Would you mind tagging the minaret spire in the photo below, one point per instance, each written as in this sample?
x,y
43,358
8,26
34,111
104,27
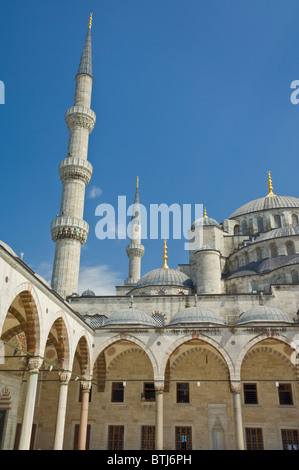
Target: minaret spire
x,y
69,231
135,250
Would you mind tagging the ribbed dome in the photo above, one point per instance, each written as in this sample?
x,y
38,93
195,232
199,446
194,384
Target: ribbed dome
x,y
265,203
196,315
131,316
279,232
88,293
264,314
164,277
204,221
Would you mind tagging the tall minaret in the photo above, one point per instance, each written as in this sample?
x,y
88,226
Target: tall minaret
x,y
69,231
135,250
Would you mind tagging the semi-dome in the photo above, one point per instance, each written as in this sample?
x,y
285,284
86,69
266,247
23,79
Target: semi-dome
x,y
266,203
279,232
264,314
196,315
131,316
164,277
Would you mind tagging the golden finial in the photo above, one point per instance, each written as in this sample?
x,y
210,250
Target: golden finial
x,y
90,20
205,213
137,182
165,257
270,187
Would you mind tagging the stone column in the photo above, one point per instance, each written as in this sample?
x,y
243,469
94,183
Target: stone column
x,y
34,365
236,391
159,391
60,419
86,386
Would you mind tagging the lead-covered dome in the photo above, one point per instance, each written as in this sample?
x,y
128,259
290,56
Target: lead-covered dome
x,y
264,314
131,316
164,277
265,203
196,315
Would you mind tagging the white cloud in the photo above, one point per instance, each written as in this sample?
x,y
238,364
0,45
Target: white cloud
x,y
94,192
99,279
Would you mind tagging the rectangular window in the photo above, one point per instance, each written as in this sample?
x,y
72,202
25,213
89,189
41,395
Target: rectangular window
x,y
147,437
254,439
290,439
117,392
250,394
149,391
285,394
183,438
182,393
115,438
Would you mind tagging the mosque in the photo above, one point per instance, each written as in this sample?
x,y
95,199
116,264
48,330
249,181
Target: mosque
x,y
202,357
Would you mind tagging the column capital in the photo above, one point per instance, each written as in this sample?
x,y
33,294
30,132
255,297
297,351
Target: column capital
x,y
159,386
34,364
64,377
86,385
235,386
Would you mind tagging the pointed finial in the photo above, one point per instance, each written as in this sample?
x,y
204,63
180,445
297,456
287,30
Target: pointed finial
x,y
205,213
137,182
165,257
90,20
270,187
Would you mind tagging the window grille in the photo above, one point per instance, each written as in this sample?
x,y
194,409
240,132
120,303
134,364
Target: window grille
x,y
147,437
115,438
254,439
183,438
285,394
117,392
290,439
250,394
182,393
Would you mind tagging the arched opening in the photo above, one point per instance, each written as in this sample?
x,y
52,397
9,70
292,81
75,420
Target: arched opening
x,y
290,247
269,382
295,220
20,337
273,250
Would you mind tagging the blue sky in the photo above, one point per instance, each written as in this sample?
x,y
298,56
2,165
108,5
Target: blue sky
x,y
192,96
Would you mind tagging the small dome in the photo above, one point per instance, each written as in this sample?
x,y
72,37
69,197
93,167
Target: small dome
x,y
131,316
264,314
164,277
196,315
205,221
88,293
265,203
7,248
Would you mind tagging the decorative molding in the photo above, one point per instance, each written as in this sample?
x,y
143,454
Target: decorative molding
x,y
75,168
69,227
80,116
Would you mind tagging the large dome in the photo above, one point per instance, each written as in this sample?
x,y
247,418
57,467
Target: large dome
x,y
264,314
196,315
265,203
164,277
131,316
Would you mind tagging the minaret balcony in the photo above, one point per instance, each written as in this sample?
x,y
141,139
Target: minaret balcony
x,y
75,168
69,227
135,249
80,116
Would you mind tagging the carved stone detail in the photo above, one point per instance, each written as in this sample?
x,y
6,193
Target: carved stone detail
x,y
69,227
135,250
80,116
75,168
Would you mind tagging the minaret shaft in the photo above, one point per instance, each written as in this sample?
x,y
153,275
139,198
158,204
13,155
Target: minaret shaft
x,y
69,230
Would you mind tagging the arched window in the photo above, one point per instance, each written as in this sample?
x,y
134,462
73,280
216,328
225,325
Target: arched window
x,y
295,277
277,221
236,263
258,253
273,250
246,256
255,287
294,219
290,248
244,228
260,224
236,230
159,318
